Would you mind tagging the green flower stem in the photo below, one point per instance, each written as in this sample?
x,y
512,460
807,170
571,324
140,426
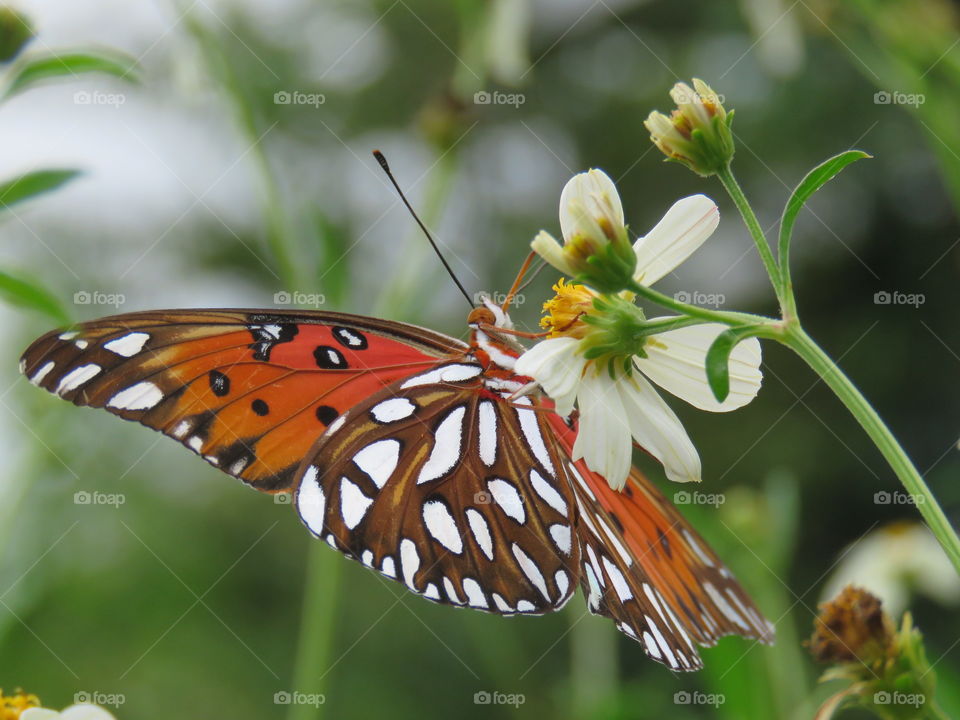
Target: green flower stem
x,y
316,638
795,338
694,311
733,188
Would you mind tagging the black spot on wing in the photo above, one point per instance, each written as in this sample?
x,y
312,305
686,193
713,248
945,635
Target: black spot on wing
x,y
269,331
350,338
326,414
219,383
329,358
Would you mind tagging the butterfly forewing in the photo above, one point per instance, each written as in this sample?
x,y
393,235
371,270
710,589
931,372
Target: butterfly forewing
x,y
450,489
249,391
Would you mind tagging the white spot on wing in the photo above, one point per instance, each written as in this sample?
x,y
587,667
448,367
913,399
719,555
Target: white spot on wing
x,y
379,460
311,501
474,593
721,602
40,374
502,605
451,591
618,580
526,606
409,562
563,581
651,644
456,372
182,428
615,541
704,558
393,410
549,493
142,396
447,441
506,496
531,431
77,377
127,345
388,567
487,415
481,531
531,570
353,503
432,592
561,536
441,525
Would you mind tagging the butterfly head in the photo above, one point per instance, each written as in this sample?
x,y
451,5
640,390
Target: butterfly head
x,y
502,349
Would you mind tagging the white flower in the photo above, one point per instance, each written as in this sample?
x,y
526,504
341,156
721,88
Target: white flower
x,y
82,711
894,561
591,221
617,408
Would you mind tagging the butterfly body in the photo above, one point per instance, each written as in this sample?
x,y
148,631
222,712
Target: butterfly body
x,y
423,457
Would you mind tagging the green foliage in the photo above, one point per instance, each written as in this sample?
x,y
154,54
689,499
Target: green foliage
x,y
38,69
31,184
29,294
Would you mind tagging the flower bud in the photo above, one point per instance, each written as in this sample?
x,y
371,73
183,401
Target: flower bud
x,y
697,133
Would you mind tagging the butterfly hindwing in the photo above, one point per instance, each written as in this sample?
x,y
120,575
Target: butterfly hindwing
x,y
450,489
647,569
250,391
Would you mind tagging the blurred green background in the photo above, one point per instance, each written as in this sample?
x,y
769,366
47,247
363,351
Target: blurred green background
x,y
203,187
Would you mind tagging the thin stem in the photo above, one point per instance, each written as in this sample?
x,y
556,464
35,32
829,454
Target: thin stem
x,y
756,232
720,316
315,641
795,338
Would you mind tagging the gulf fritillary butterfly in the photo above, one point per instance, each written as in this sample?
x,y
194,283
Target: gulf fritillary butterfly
x,y
421,456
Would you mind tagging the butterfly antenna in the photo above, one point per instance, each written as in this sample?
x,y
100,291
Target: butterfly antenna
x,y
386,168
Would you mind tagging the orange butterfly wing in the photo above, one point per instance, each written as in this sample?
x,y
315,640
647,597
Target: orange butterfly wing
x,y
249,391
646,568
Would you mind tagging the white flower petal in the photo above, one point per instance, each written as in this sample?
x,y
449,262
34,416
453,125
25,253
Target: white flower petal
x,y
85,712
594,194
39,714
557,367
676,361
682,230
547,247
657,429
603,438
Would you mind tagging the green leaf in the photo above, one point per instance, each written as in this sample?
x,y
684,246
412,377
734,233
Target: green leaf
x,y
718,357
33,183
36,70
814,180
26,293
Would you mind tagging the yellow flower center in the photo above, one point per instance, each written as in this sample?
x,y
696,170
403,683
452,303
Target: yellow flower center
x,y
11,706
565,310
